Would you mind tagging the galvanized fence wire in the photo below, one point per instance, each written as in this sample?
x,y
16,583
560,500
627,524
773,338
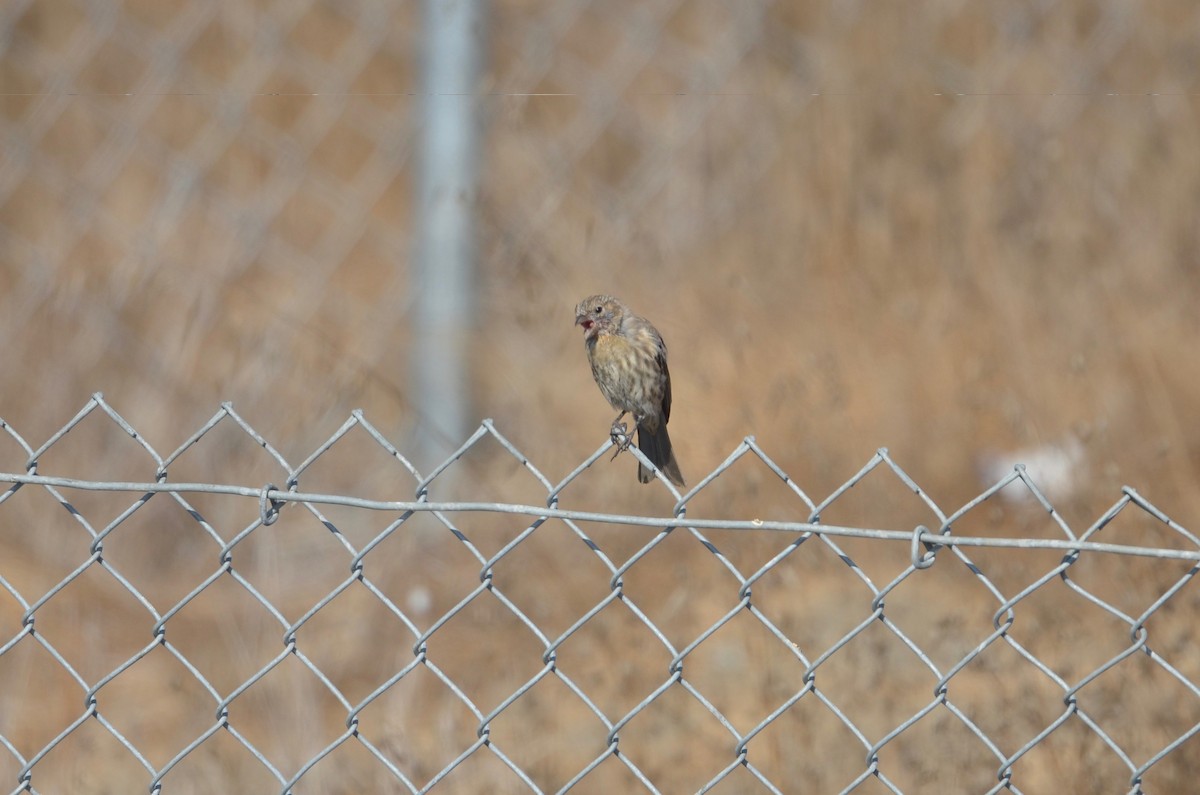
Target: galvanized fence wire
x,y
928,545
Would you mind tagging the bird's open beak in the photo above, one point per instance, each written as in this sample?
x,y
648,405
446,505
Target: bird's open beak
x,y
583,320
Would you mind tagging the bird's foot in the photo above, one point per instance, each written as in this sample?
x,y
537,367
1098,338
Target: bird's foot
x,y
619,433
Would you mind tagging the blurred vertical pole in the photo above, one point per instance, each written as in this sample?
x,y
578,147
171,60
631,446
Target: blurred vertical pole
x,y
453,44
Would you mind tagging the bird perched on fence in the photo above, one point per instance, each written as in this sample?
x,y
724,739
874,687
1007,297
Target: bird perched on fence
x,y
629,363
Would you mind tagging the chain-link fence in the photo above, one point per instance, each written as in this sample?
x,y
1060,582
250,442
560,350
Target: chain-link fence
x,y
960,230
190,636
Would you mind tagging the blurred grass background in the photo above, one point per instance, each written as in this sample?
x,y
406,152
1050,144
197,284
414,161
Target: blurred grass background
x,y
967,232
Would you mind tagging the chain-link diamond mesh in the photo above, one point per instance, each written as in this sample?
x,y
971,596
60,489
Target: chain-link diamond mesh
x,y
211,636
953,187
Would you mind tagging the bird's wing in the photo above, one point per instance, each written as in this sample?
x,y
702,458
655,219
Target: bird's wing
x,y
666,403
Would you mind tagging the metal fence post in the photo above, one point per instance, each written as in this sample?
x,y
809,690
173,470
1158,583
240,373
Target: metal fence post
x,y
445,250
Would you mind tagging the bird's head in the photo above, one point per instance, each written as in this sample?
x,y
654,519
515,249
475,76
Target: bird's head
x,y
598,313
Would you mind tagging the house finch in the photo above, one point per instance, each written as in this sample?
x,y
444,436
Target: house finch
x,y
629,363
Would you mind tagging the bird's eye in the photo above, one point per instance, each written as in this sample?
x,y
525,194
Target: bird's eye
x,y
599,310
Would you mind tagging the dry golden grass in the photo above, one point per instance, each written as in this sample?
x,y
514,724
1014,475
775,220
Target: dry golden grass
x,y
958,232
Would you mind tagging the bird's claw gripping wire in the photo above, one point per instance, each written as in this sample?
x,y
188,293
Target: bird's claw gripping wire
x,y
619,433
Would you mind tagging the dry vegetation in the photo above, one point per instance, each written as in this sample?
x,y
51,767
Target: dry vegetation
x,y
963,233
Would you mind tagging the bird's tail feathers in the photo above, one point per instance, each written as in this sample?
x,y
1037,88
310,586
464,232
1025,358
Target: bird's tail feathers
x,y
656,446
